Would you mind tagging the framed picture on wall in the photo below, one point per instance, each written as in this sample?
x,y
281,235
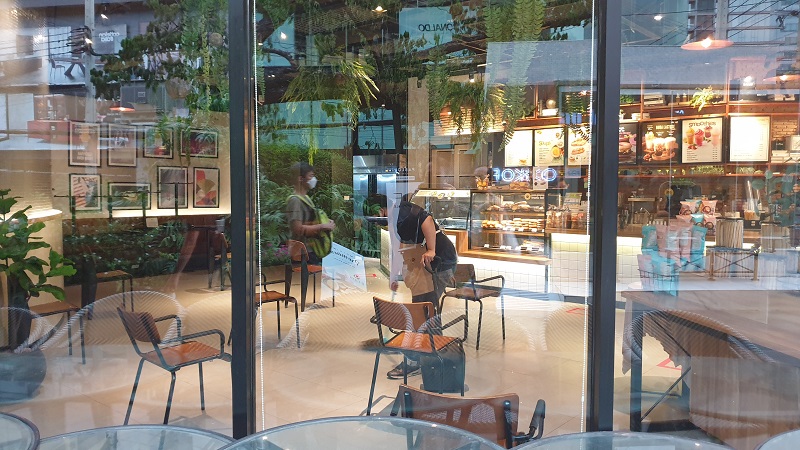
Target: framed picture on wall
x,y
85,191
206,187
129,195
202,144
84,144
154,142
121,142
172,182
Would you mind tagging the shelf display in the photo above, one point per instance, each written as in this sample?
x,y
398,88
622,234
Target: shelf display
x,y
749,139
450,207
702,140
508,221
660,142
548,146
628,133
579,145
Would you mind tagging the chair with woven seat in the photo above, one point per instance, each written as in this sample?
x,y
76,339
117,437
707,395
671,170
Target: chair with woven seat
x,y
67,309
299,256
493,417
264,296
169,354
416,332
472,290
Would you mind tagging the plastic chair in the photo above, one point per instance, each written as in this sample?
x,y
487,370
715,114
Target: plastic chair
x,y
58,308
414,326
493,417
270,296
170,354
299,255
219,258
467,289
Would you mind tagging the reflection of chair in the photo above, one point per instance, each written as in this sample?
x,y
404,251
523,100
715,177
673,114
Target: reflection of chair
x,y
494,417
268,296
171,354
466,289
54,67
299,255
414,326
57,308
219,258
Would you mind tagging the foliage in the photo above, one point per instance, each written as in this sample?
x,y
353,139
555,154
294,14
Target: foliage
x,y
702,97
24,271
783,194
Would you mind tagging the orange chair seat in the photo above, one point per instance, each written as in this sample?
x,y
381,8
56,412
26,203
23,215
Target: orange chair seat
x,y
185,353
311,269
418,342
271,296
468,294
112,275
48,309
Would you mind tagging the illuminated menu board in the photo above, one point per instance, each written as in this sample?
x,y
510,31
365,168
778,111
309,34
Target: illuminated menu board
x,y
749,139
660,142
702,140
548,146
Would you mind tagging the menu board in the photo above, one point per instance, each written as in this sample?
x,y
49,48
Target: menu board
x,y
519,150
627,142
579,145
749,139
660,142
548,146
702,140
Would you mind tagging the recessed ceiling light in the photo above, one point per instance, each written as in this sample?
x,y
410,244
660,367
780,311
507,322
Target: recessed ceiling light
x,y
658,17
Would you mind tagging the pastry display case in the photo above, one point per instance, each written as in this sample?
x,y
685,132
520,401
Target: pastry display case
x,y
510,221
450,207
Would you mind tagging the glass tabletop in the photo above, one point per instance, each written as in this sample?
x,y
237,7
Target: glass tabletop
x,y
355,433
784,441
608,440
137,437
17,433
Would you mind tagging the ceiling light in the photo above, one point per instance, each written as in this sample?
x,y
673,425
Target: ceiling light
x,y
88,41
103,16
708,43
783,75
658,17
283,36
379,9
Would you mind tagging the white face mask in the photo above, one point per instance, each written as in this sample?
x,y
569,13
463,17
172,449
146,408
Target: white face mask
x,y
312,183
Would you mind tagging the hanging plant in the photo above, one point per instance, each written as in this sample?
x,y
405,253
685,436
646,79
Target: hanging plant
x,y
702,97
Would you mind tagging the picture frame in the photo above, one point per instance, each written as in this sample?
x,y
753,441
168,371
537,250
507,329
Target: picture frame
x,y
129,196
154,143
86,190
168,178
121,142
84,144
206,187
202,144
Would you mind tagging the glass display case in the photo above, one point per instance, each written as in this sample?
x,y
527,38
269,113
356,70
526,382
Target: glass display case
x,y
450,207
510,221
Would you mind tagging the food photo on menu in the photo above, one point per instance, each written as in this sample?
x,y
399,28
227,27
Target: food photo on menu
x,y
627,143
660,142
702,140
548,144
578,146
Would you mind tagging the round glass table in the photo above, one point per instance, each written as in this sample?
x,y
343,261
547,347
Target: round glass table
x,y
608,440
17,433
357,433
137,437
789,440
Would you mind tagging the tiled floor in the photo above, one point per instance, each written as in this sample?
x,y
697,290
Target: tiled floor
x,y
542,357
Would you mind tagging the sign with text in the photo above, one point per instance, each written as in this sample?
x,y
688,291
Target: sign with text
x,y
702,140
537,177
749,139
579,145
343,269
660,142
429,23
520,149
548,146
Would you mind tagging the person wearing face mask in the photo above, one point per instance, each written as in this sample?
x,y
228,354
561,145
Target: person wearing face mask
x,y
301,211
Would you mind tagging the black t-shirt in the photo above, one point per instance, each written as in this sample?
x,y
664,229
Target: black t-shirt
x,y
409,229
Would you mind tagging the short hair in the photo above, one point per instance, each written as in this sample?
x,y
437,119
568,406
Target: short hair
x,y
301,169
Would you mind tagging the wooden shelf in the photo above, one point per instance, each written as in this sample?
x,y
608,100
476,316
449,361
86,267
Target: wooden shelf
x,y
507,256
694,175
514,233
516,213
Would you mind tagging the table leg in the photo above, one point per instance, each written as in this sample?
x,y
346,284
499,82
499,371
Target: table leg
x,y
711,265
637,333
755,267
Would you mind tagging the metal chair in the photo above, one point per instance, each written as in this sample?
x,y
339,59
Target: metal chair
x,y
269,296
168,354
57,308
493,417
219,258
299,255
415,328
469,289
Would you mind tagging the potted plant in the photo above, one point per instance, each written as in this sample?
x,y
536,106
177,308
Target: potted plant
x,y
26,275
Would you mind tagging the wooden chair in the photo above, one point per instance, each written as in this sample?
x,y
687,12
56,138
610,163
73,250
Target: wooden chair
x,y
171,354
299,255
269,296
415,329
467,288
67,309
219,258
493,417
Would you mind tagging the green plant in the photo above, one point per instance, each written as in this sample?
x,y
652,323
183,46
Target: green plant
x,y
702,97
27,274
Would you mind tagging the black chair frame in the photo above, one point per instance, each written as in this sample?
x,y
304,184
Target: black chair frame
x,y
475,285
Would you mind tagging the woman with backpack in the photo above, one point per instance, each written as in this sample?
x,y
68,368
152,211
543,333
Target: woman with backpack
x,y
303,216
